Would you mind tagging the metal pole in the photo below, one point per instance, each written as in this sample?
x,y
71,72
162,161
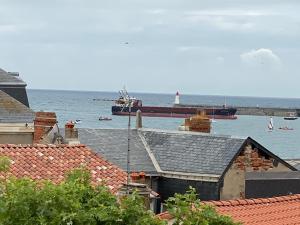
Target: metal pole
x,y
128,146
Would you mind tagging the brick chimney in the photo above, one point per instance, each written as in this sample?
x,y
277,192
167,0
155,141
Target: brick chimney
x,y
43,123
71,134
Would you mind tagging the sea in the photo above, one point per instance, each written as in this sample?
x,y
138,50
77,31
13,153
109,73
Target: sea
x,y
89,106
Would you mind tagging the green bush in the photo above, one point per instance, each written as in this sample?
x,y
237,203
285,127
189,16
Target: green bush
x,y
187,209
76,202
73,202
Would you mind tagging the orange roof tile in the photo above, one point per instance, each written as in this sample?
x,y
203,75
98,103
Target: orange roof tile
x,y
52,162
284,210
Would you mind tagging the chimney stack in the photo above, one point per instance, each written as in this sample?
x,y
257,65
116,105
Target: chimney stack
x,y
71,134
139,120
43,123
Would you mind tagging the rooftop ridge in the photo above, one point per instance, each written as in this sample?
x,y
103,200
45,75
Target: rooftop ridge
x,y
170,132
41,145
253,201
190,133
105,128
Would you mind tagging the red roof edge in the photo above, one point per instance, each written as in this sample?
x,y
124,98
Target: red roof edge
x,y
254,201
241,202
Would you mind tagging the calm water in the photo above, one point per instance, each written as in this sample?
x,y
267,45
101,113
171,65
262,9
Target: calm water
x,y
71,105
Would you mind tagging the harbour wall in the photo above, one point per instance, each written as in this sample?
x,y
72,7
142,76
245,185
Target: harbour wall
x,y
252,111
261,111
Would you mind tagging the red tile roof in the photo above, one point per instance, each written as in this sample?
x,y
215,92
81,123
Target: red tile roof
x,y
52,162
284,210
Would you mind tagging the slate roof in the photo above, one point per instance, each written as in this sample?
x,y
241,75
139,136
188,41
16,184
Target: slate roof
x,y
112,144
282,210
8,79
192,152
53,162
157,151
13,111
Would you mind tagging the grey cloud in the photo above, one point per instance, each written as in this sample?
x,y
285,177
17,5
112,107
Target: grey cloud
x,y
178,43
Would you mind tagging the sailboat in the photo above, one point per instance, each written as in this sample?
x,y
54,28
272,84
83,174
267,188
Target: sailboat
x,y
271,124
213,116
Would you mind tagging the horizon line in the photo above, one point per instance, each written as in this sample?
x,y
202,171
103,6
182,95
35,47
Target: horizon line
x,y
165,93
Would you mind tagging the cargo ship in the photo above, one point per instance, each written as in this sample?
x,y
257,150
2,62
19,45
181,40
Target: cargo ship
x,y
126,104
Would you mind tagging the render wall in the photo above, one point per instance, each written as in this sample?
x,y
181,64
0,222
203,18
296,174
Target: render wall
x,y
16,138
250,160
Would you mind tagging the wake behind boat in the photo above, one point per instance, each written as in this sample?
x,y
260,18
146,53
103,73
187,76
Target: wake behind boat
x,y
125,103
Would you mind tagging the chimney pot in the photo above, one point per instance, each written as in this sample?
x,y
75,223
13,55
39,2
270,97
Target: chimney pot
x,y
139,120
71,133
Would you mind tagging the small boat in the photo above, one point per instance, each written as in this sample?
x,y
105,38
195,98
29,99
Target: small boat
x,y
104,118
285,128
271,125
77,121
291,116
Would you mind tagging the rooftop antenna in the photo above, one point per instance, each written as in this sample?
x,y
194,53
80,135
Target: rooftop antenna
x,y
128,144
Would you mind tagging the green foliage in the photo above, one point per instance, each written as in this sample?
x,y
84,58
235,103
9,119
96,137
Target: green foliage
x,y
188,210
77,202
4,164
73,202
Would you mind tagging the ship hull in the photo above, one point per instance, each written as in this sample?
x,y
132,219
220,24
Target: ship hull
x,y
176,112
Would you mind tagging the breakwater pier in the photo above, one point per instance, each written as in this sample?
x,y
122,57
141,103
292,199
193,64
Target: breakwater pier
x,y
252,111
265,111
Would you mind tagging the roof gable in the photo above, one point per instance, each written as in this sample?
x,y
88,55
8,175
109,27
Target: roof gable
x,y
266,151
52,162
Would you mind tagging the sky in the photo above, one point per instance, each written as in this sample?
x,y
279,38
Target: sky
x,y
207,47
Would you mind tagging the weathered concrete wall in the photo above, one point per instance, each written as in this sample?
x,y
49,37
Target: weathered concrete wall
x,y
16,133
253,111
16,138
248,161
259,111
